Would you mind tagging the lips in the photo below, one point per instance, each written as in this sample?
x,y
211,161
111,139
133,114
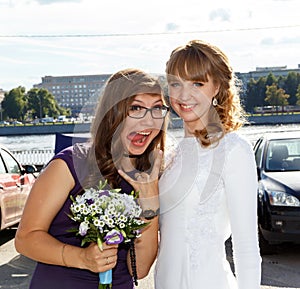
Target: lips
x,y
187,107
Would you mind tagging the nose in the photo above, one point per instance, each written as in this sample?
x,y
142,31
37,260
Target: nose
x,y
148,119
184,94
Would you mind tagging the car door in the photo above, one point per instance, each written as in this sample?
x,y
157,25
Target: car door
x,y
10,189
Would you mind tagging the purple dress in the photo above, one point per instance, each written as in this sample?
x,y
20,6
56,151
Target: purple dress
x,y
48,276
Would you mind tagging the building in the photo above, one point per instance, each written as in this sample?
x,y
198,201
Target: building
x,y
2,92
265,71
78,93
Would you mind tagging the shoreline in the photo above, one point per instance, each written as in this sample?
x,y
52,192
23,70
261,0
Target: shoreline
x,y
175,123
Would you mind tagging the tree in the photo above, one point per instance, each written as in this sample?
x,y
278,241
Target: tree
x,y
271,79
298,95
14,103
276,96
251,99
291,84
41,102
261,91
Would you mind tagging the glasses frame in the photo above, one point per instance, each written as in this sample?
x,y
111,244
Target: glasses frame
x,y
166,108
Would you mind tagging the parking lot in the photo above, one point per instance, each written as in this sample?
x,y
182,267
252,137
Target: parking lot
x,y
281,270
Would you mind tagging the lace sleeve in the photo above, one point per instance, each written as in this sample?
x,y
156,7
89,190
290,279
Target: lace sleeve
x,y
241,193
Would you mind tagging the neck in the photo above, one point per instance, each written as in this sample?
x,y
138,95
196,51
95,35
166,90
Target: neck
x,y
191,126
131,156
128,162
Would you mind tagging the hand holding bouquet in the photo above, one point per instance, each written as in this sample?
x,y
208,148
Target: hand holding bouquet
x,y
106,216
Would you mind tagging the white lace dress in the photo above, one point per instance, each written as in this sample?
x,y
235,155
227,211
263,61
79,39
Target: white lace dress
x,y
207,194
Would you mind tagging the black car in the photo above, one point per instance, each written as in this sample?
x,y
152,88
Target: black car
x,y
278,166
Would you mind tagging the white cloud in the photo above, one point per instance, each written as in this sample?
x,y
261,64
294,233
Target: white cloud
x,y
222,14
132,34
48,2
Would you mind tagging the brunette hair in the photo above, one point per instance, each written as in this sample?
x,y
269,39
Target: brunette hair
x,y
106,148
197,60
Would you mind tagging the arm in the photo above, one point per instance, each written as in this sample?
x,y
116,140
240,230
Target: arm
x,y
241,190
147,245
47,196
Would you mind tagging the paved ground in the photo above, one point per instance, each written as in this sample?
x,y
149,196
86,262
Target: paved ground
x,y
280,271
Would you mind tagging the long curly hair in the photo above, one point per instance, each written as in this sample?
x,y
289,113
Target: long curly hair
x,y
197,60
106,148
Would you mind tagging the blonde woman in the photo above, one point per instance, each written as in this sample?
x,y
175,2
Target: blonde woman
x,y
209,191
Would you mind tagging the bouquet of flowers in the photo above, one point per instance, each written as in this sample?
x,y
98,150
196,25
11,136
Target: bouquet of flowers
x,y
107,216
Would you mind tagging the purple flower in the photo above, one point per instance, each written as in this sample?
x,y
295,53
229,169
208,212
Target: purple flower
x,y
104,193
90,201
113,237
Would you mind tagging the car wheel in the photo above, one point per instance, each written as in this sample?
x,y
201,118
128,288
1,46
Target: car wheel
x,y
265,247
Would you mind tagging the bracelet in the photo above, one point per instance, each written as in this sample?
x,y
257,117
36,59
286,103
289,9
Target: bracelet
x,y
62,255
149,214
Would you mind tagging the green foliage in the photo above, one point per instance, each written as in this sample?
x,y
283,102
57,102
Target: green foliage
x,y
270,90
36,103
298,95
14,103
290,86
276,96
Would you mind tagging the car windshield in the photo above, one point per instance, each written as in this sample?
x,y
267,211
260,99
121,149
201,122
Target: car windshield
x,y
283,155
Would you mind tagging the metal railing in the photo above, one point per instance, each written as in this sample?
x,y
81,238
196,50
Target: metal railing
x,y
33,157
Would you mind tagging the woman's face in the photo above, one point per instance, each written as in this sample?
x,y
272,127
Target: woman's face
x,y
192,100
138,133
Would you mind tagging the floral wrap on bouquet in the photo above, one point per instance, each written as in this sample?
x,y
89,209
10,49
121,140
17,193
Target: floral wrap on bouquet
x,y
107,216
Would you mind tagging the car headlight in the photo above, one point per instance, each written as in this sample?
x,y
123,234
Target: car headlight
x,y
278,198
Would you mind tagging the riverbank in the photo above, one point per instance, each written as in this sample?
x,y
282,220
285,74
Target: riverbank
x,y
46,128
274,119
176,123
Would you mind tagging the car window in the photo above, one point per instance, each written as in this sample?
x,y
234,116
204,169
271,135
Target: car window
x,y
283,155
11,164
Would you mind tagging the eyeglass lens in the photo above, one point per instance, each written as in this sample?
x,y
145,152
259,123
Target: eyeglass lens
x,y
140,112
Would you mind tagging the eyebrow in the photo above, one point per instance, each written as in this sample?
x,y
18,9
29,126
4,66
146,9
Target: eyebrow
x,y
137,100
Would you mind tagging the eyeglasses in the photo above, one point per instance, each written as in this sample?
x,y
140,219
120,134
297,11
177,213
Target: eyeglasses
x,y
157,112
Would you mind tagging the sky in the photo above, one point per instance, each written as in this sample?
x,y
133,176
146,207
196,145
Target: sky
x,y
83,37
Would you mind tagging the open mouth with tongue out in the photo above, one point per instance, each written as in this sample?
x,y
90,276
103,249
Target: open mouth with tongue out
x,y
139,138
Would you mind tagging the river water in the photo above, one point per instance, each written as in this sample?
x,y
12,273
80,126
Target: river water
x,y
42,142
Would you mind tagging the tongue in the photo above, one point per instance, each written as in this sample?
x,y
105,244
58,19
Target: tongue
x,y
137,137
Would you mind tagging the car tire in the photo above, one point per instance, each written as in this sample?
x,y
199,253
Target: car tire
x,y
265,247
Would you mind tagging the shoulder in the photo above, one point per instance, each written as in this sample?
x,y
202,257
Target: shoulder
x,y
75,157
235,140
237,144
76,151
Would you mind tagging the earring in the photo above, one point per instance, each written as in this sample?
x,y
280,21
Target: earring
x,y
214,102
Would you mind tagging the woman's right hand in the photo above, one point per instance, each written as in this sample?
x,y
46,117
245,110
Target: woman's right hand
x,y
96,260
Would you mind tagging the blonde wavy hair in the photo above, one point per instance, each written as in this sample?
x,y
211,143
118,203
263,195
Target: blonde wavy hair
x,y
197,60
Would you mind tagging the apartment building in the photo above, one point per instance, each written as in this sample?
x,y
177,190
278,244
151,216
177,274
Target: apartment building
x,y
77,92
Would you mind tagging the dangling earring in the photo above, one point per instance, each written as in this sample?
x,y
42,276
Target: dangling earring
x,y
214,102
